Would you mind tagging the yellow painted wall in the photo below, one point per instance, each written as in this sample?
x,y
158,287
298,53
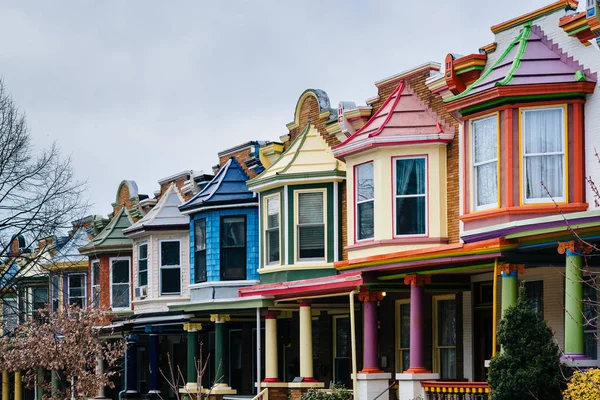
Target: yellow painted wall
x,y
383,180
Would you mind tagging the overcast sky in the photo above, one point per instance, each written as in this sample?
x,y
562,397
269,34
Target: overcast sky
x,y
144,89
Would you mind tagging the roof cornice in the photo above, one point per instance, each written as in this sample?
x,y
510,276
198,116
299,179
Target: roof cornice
x,y
550,8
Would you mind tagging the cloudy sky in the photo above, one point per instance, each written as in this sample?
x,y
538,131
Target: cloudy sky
x,y
144,89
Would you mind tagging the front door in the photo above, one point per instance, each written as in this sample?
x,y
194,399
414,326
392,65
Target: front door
x,y
482,329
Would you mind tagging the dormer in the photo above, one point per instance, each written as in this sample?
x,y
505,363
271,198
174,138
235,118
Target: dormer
x,y
397,165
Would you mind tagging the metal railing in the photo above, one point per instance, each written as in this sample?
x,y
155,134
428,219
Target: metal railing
x,y
439,390
386,390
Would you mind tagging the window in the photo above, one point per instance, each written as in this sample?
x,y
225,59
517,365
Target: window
x,y
272,230
543,154
590,318
311,226
233,247
55,291
445,337
10,314
200,250
96,284
403,338
143,264
365,201
76,290
342,366
535,294
484,159
119,283
170,267
39,298
411,196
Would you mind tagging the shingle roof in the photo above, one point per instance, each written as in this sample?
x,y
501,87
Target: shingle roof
x,y
165,213
69,253
531,58
227,187
112,235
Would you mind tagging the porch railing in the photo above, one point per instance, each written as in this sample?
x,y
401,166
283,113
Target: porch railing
x,y
262,395
438,390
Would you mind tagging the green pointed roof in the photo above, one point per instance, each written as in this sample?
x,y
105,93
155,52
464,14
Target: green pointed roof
x,y
111,238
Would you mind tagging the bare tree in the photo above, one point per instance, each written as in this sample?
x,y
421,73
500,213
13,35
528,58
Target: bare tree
x,y
39,196
69,344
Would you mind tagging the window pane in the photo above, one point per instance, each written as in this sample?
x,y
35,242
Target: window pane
x,y
405,359
410,215
10,314
446,323
96,273
143,265
273,212
233,232
311,241
169,254
120,271
200,234
120,295
404,326
76,286
96,296
410,176
310,208
364,182
447,363
366,220
143,251
40,297
171,280
78,302
200,266
535,294
543,129
143,277
547,170
273,245
485,139
486,176
233,263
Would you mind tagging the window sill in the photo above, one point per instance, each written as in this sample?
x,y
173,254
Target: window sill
x,y
524,209
397,242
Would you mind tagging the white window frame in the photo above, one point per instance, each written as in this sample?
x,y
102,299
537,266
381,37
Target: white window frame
x,y
297,225
51,293
161,267
358,202
395,196
84,287
145,243
473,165
128,259
267,229
96,302
563,153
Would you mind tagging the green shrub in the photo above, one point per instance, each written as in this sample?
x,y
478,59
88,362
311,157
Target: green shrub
x,y
339,392
529,365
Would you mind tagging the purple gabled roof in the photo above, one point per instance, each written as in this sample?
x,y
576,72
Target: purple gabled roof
x,y
531,58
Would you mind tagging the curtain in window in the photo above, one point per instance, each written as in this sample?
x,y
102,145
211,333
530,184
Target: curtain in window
x,y
311,227
365,201
273,229
544,153
410,196
485,158
447,338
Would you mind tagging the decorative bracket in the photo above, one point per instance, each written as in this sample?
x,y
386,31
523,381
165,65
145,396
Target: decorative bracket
x,y
365,295
220,318
510,268
417,280
575,247
191,326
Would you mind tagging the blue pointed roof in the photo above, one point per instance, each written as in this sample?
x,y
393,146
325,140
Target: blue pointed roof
x,y
228,187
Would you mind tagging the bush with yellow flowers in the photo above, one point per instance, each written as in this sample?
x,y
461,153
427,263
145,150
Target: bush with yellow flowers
x,y
584,385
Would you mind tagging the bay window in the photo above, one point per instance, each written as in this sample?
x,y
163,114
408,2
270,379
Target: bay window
x,y
272,230
233,247
200,250
410,196
365,201
484,159
543,152
143,264
76,290
310,227
170,267
119,283
96,284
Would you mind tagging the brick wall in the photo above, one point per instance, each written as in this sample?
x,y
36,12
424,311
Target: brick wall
x,y
241,156
123,198
213,226
105,278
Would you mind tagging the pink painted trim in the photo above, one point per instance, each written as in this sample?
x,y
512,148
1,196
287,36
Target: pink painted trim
x,y
304,303
395,143
397,241
271,380
270,316
309,379
393,190
355,199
